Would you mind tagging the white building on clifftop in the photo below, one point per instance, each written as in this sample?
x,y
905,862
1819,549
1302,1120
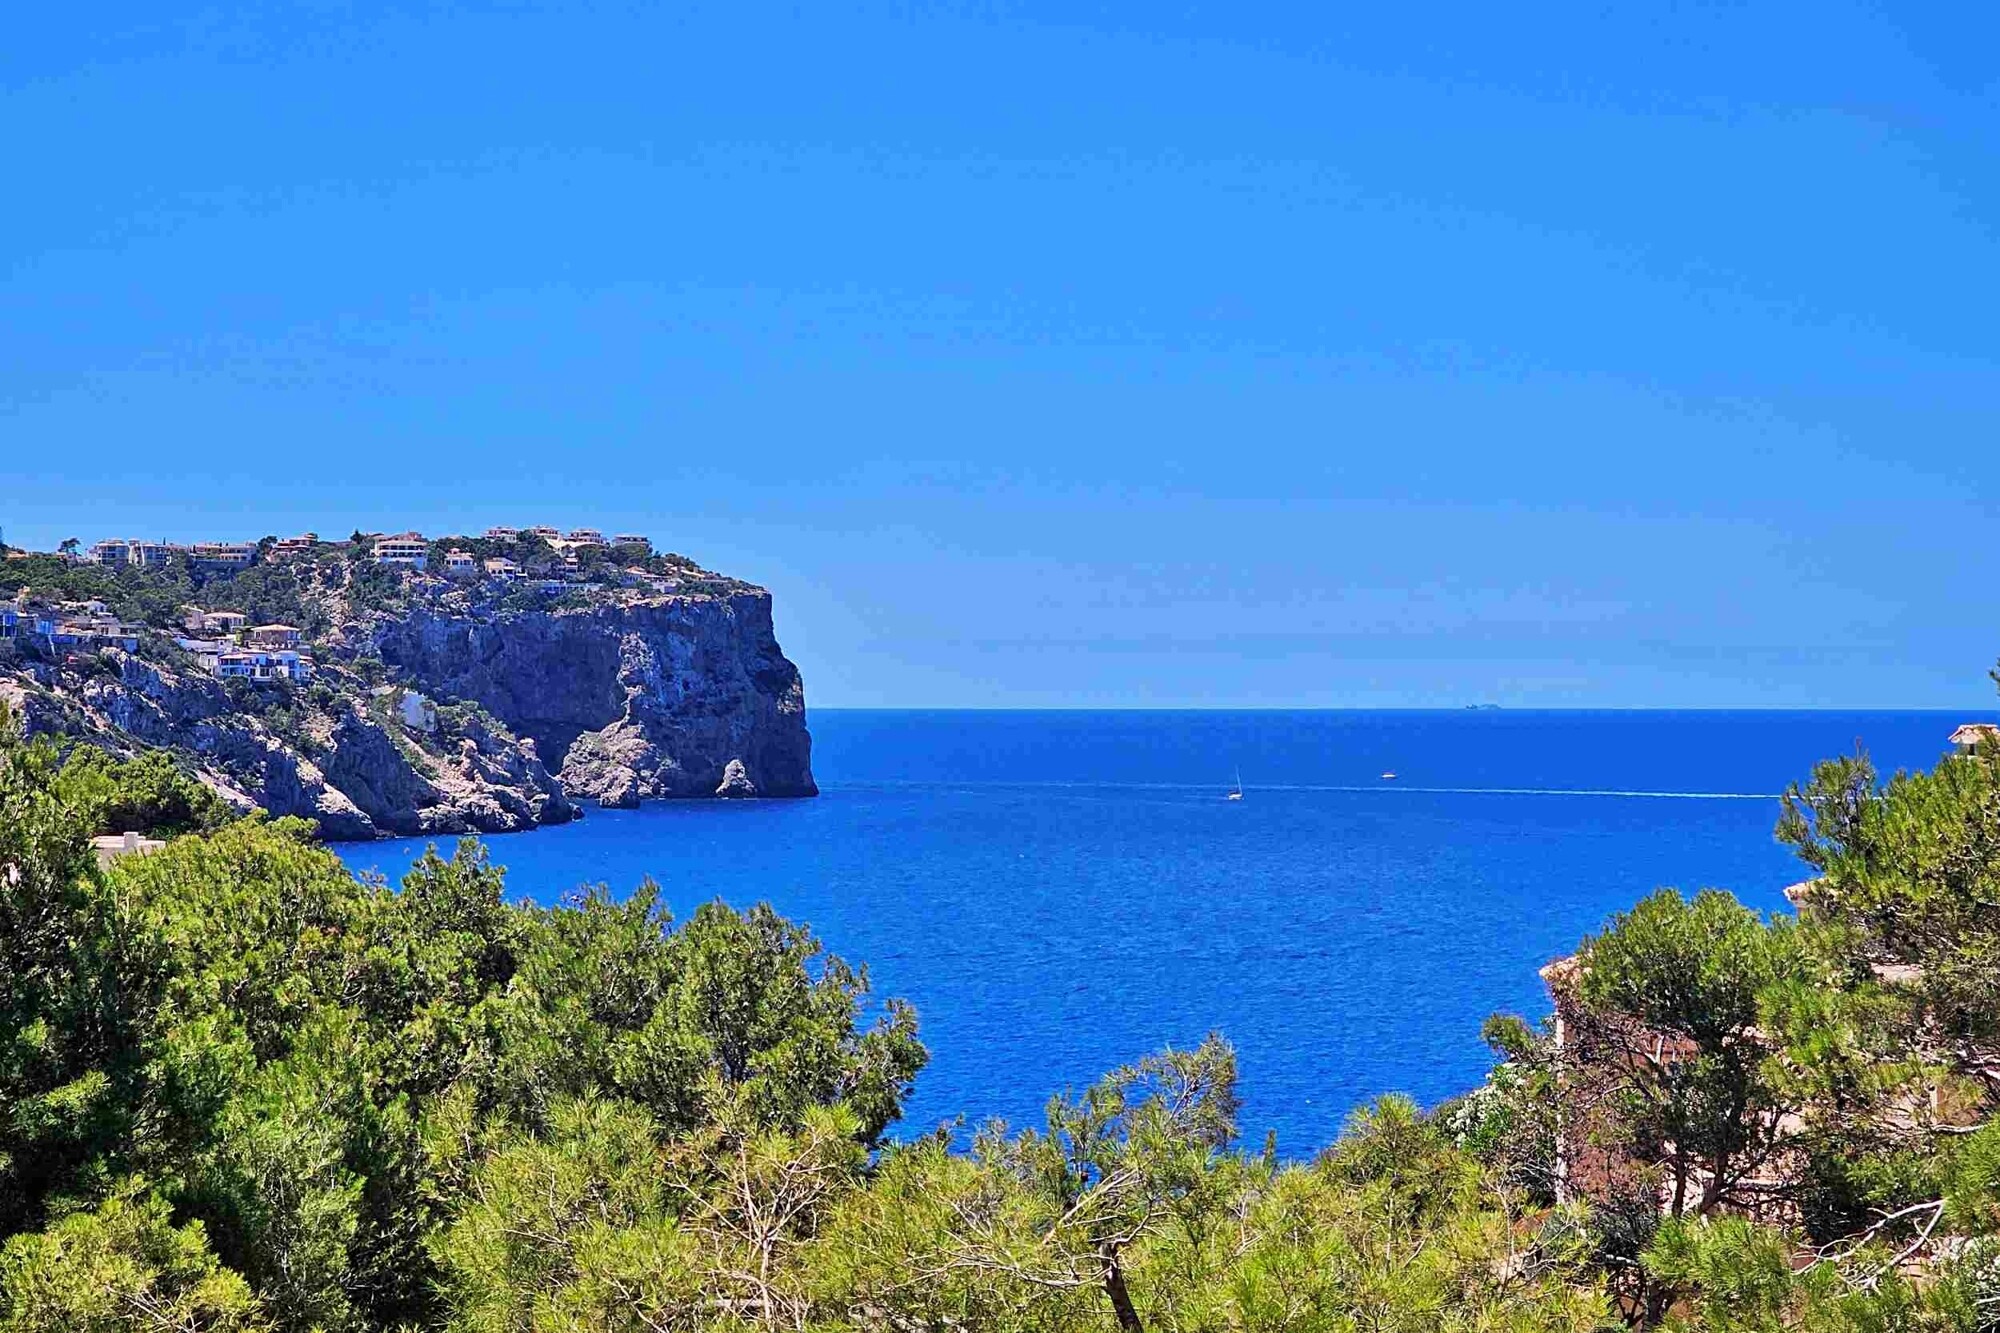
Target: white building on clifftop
x,y
405,548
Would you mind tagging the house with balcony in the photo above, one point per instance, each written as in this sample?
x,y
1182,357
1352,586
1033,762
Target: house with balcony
x,y
273,636
460,564
651,582
502,569
305,541
633,539
63,634
119,552
260,664
502,534
585,537
223,555
405,548
215,624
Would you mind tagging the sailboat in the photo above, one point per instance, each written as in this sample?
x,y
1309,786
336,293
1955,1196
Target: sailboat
x,y
1236,795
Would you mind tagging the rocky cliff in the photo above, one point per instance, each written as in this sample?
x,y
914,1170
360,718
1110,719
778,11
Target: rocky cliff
x,y
651,698
442,706
340,762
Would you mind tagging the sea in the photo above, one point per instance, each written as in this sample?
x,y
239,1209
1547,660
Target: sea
x,y
1060,893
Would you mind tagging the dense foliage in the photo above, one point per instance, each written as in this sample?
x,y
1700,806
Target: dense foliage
x,y
280,592
149,597
147,793
241,1089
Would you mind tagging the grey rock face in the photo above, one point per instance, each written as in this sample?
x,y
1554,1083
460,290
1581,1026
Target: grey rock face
x,y
628,698
634,701
349,775
619,789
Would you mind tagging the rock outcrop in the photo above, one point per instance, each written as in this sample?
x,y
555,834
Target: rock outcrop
x,y
354,774
655,698
736,781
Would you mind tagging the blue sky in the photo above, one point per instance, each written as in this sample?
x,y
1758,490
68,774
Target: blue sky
x,y
1204,354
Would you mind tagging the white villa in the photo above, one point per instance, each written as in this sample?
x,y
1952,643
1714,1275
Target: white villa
x,y
228,555
120,551
260,664
405,548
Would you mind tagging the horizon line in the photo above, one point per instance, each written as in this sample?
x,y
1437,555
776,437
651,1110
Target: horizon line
x,y
1395,708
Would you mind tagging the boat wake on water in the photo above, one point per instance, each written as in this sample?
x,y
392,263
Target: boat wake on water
x,y
1401,788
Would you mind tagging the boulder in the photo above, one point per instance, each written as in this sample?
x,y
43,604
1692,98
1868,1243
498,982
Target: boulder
x,y
736,781
619,790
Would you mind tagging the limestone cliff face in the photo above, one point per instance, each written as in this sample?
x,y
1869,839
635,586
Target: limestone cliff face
x,y
659,697
479,782
347,766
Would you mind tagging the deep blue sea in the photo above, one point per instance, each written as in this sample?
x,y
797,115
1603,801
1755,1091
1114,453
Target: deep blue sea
x,y
1060,892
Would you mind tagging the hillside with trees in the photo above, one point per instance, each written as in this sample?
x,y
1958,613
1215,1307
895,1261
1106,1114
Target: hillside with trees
x,y
245,1090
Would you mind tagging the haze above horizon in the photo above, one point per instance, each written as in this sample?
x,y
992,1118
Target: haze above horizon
x,y
1248,355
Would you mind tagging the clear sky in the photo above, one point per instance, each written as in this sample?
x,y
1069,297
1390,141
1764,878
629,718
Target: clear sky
x,y
1193,354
